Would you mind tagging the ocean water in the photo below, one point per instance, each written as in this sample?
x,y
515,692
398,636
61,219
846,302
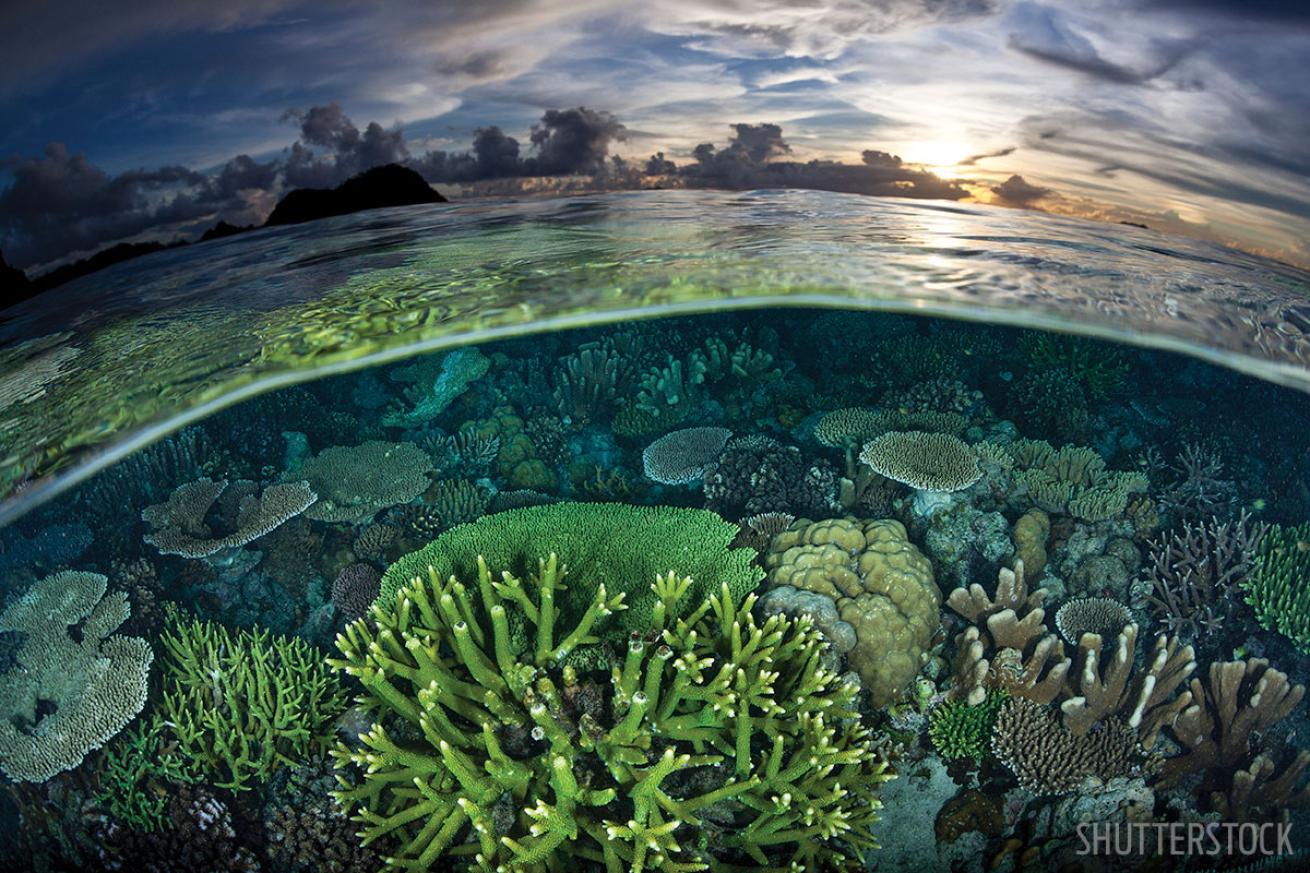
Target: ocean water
x,y
659,531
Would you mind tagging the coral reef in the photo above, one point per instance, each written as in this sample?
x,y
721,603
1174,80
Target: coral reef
x,y
1002,648
135,771
757,474
760,759
961,730
1223,734
1047,758
355,483
1192,572
1091,615
355,589
241,704
306,831
925,461
682,456
654,539
1276,586
882,585
433,383
198,834
69,660
179,525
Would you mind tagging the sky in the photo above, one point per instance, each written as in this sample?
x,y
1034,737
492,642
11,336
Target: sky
x,y
142,119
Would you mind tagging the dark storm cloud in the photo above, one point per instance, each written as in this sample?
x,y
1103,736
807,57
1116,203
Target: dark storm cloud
x,y
60,202
331,149
564,142
1018,191
747,162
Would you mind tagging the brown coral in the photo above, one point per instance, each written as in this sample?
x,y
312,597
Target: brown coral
x,y
882,585
1030,534
1048,759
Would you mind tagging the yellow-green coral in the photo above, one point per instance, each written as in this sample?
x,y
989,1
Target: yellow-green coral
x,y
1071,480
241,704
510,762
882,584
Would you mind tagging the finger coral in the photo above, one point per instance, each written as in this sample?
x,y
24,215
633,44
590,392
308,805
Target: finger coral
x,y
242,704
715,743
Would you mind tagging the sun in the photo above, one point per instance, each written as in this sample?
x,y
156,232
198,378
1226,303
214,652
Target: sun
x,y
938,155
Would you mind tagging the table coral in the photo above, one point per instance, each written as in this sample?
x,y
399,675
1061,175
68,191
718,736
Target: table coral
x,y
355,483
882,584
69,656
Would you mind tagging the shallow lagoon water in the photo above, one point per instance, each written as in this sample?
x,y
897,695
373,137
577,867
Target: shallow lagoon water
x,y
861,468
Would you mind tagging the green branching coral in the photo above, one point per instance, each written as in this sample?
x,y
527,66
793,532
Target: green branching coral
x,y
611,544
1277,588
718,742
134,770
959,730
1097,365
243,703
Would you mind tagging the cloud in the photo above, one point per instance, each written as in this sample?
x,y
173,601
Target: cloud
x,y
1046,38
564,142
750,161
1018,191
345,150
973,160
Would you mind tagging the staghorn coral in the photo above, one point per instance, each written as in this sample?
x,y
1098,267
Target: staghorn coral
x,y
1091,615
1046,758
355,483
464,452
179,526
1276,585
1191,572
1200,489
609,544
681,456
136,770
761,759
756,474
924,461
757,531
240,705
1049,403
1007,645
355,589
883,587
70,658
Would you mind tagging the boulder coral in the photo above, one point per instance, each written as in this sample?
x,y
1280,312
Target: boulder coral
x,y
883,587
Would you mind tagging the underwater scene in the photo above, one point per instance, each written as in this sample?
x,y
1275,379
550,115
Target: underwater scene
x,y
781,589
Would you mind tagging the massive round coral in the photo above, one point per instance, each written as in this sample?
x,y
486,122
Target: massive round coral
x,y
882,584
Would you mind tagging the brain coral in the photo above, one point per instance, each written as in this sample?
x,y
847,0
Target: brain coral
x,y
882,585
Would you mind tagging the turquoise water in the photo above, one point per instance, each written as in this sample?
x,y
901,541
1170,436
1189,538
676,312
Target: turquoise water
x,y
942,579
